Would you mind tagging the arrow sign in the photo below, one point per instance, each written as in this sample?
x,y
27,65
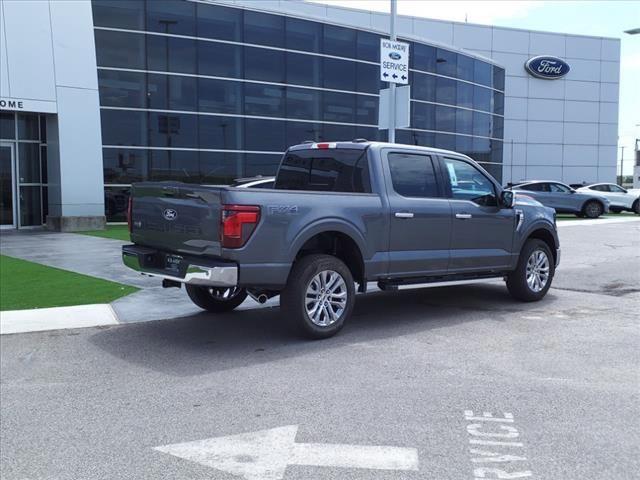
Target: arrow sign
x,y
264,455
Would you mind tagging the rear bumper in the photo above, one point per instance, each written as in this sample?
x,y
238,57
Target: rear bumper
x,y
191,270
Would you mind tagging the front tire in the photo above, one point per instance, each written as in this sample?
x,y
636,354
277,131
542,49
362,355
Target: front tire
x,y
216,300
531,280
592,209
319,296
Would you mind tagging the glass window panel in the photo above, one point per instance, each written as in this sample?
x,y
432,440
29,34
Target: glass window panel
x,y
498,103
157,91
120,49
423,57
30,206
481,149
464,144
464,121
465,94
29,162
43,129
265,135
339,74
481,124
182,93
298,132
446,90
174,165
124,165
339,41
264,64
496,151
28,126
264,100
44,174
116,200
336,133
423,116
215,21
339,107
368,46
372,134
223,133
368,78
494,170
263,29
169,16
173,130
303,35
223,96
482,72
445,119
220,168
465,67
445,141
7,126
446,62
119,14
498,127
413,175
45,204
304,103
261,164
304,69
366,110
220,60
171,54
120,127
423,87
482,98
498,78
425,139
122,89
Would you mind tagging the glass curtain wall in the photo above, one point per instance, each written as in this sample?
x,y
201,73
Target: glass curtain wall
x,y
206,93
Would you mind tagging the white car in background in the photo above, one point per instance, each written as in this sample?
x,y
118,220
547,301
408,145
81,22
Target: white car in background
x,y
619,198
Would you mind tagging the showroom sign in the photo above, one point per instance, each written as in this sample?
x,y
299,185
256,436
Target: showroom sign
x,y
547,67
26,105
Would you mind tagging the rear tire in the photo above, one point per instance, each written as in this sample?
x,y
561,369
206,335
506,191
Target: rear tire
x,y
636,207
531,280
216,300
592,209
319,296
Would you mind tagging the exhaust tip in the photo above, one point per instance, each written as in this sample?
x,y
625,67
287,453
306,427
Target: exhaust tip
x,y
262,298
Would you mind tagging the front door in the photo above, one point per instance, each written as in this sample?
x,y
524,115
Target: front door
x,y
420,220
7,187
482,232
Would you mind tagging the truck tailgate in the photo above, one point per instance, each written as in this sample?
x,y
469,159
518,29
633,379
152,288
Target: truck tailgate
x,y
177,217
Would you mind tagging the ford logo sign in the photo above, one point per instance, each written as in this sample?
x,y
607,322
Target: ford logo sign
x,y
170,214
395,56
547,67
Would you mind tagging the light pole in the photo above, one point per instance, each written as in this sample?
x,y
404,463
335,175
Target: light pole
x,y
621,165
392,85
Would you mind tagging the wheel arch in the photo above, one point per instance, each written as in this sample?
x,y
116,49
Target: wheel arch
x,y
544,234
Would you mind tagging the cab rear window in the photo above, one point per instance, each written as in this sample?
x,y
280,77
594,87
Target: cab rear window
x,y
331,170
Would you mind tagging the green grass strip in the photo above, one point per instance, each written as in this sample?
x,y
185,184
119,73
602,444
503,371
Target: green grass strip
x,y
117,232
26,284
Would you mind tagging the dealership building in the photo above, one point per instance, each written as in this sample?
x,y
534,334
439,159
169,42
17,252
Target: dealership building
x,y
96,95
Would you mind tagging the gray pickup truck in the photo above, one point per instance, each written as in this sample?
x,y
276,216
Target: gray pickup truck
x,y
341,215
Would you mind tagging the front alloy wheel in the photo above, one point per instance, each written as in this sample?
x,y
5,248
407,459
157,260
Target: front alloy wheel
x,y
537,271
532,278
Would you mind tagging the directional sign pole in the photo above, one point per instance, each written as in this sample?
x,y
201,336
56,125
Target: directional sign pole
x,y
392,85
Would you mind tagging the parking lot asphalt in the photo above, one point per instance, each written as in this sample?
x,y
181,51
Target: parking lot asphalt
x,y
413,369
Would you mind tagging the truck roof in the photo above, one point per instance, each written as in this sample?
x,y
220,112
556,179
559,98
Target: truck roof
x,y
362,144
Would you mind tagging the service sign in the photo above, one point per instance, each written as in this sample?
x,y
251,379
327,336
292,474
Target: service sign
x,y
394,61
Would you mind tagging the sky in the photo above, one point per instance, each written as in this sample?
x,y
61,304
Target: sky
x,y
606,18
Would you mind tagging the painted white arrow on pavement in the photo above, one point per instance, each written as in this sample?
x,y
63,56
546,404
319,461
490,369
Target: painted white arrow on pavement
x,y
264,455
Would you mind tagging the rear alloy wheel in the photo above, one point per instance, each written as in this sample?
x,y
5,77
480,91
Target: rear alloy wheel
x,y
592,209
214,299
531,280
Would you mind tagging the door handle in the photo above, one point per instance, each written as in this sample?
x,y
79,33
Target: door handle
x,y
404,215
463,216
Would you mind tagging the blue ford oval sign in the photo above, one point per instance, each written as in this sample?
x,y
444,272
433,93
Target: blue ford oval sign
x,y
395,56
547,67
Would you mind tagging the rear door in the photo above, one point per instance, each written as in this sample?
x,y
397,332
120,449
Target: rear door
x,y
561,197
420,217
482,232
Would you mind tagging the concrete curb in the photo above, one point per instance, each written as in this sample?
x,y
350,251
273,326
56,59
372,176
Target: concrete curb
x,y
596,221
57,318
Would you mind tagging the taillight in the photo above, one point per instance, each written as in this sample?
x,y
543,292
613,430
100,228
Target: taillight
x,y
238,223
130,214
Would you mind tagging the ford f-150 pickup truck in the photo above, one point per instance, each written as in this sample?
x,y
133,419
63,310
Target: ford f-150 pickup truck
x,y
342,214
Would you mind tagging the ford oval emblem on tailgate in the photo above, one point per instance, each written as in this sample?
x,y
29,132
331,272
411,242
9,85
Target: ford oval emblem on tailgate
x,y
170,214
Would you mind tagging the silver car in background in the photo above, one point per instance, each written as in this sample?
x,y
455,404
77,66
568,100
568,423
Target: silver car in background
x,y
620,199
564,199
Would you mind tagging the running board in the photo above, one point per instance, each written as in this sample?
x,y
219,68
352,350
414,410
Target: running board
x,y
387,286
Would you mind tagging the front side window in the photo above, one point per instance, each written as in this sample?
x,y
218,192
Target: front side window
x,y
413,175
559,188
469,183
616,189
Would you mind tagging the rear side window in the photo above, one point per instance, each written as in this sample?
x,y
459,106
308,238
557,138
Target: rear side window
x,y
331,170
534,187
413,175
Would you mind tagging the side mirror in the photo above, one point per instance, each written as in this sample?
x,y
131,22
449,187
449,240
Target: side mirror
x,y
507,198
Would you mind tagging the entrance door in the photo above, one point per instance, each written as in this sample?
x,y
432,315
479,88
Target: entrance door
x,y
7,187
